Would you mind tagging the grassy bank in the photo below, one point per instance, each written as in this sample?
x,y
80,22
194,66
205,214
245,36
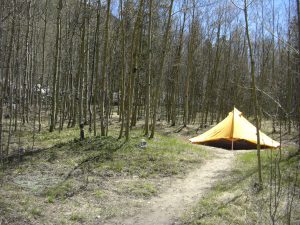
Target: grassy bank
x,y
236,199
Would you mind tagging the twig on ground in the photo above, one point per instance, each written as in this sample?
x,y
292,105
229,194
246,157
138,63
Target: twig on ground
x,y
93,158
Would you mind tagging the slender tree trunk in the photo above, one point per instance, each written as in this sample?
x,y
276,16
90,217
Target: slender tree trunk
x,y
148,78
256,110
43,67
6,89
26,53
55,67
1,121
18,80
97,77
298,15
176,73
189,71
273,61
136,80
123,70
215,75
289,76
161,69
87,72
133,67
58,81
104,87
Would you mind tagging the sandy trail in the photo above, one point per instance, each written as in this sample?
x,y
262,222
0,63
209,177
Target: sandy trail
x,y
167,208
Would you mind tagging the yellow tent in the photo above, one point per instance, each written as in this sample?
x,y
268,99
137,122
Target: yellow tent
x,y
234,132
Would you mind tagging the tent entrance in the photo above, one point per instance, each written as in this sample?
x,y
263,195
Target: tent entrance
x,y
227,144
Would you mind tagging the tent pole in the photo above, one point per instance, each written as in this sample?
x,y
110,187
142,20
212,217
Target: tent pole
x,y
232,128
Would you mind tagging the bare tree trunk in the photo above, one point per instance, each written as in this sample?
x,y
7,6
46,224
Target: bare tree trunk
x,y
87,71
123,70
58,81
161,69
132,68
289,75
136,80
80,72
104,94
1,119
56,64
18,79
254,92
26,57
176,74
298,17
43,67
148,79
189,70
7,94
97,77
215,74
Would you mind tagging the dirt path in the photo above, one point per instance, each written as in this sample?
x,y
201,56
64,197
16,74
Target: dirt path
x,y
166,208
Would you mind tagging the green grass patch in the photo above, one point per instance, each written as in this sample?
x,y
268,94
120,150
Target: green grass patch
x,y
164,156
78,217
99,194
50,199
60,191
140,189
36,212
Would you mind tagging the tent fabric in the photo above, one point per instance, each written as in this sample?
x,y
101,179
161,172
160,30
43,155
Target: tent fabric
x,y
234,129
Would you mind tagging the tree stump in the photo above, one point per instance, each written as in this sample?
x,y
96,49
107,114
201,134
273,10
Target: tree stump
x,y
81,131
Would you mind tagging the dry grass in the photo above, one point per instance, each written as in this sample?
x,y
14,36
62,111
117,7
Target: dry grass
x,y
235,200
92,181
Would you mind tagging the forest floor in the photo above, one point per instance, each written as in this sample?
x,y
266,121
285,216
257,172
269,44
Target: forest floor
x,y
95,181
103,180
